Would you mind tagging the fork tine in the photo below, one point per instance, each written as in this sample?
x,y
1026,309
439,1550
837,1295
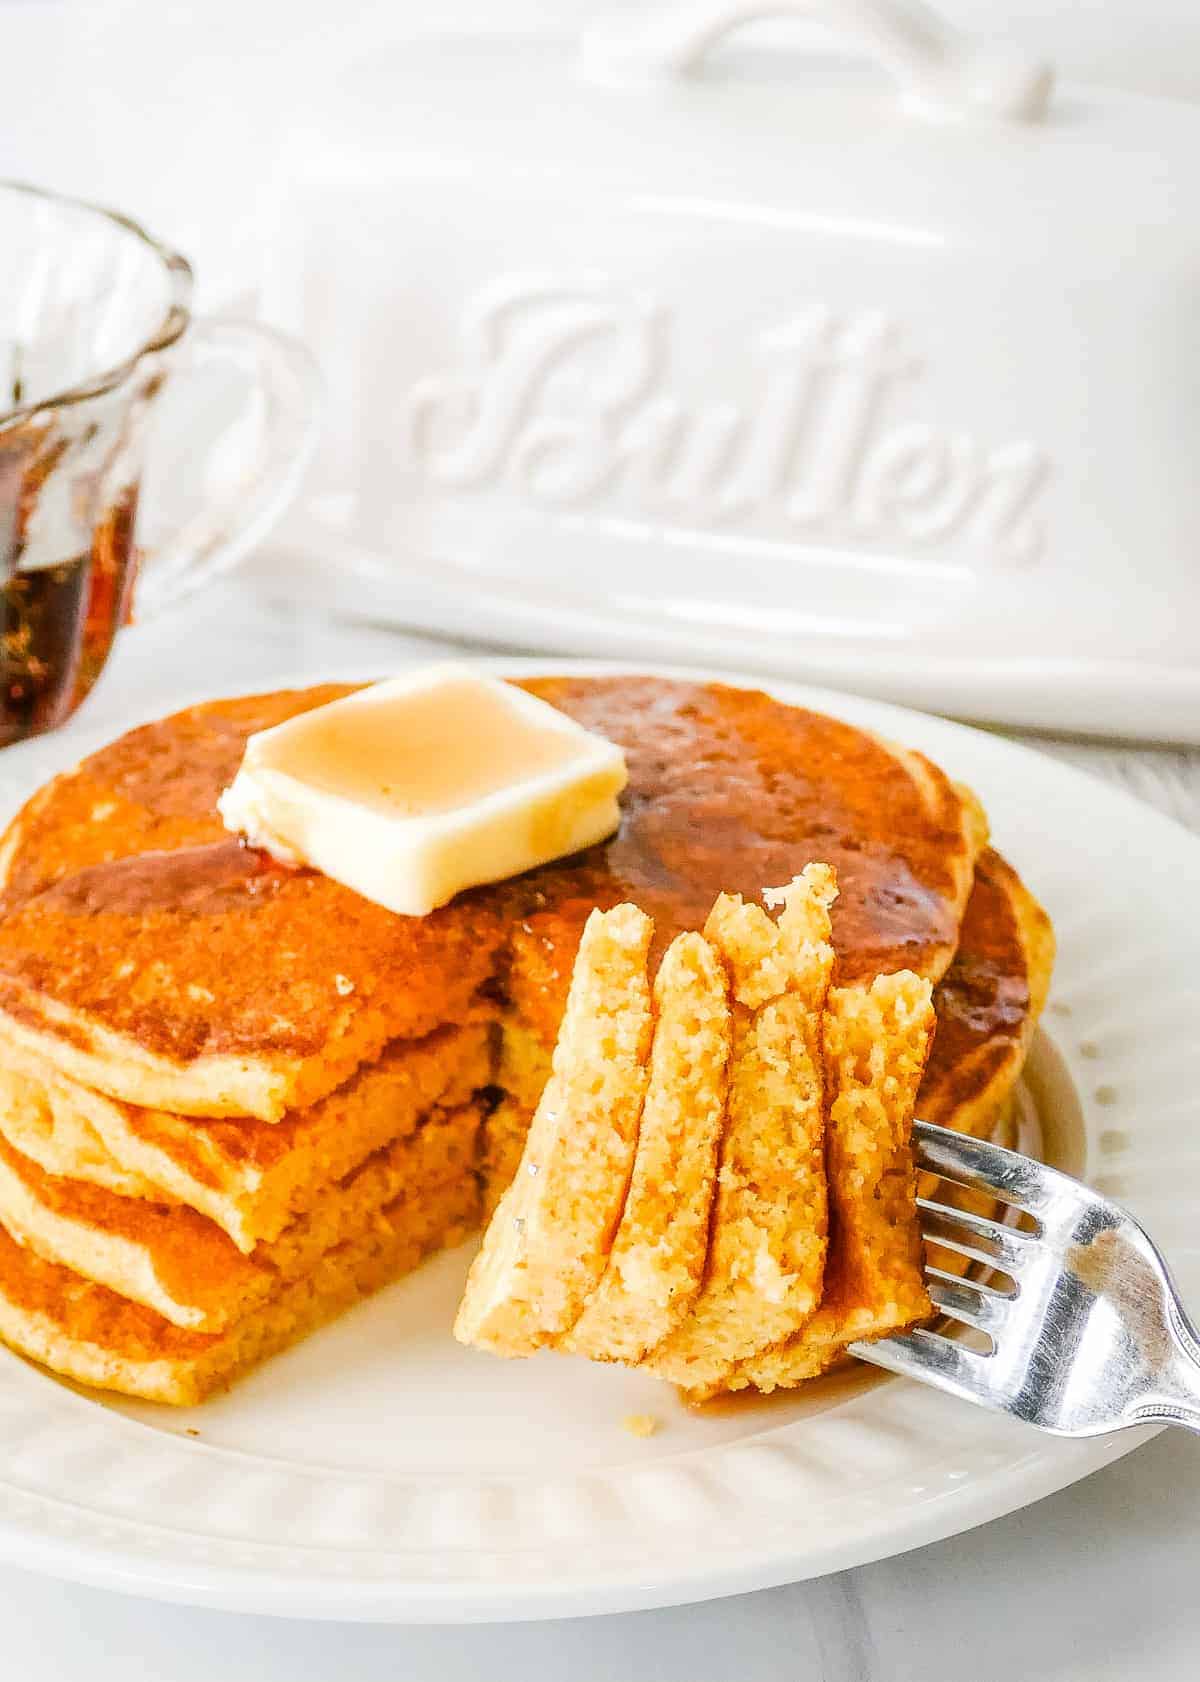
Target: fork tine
x,y
975,1305
974,1236
933,1359
980,1164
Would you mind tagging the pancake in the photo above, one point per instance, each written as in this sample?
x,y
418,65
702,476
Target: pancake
x,y
185,1020
769,1230
523,1065
656,1265
89,1333
876,1042
989,1002
505,1130
249,1177
729,791
152,790
547,1244
175,1261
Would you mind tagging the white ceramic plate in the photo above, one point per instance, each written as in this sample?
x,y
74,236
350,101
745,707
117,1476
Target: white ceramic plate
x,y
380,1471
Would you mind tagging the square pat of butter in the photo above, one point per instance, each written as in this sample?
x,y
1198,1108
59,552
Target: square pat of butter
x,y
413,789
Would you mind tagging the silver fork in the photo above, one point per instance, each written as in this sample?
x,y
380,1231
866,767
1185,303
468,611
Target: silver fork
x,y
1087,1333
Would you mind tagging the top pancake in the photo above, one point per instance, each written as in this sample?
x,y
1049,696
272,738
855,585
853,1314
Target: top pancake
x,y
151,790
148,955
197,977
732,792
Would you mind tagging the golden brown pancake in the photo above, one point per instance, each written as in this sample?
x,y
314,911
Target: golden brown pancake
x,y
729,791
88,1333
152,790
249,1177
182,1265
504,1133
732,792
212,982
988,1002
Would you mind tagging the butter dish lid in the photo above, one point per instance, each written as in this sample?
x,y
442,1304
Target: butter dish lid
x,y
987,144
873,369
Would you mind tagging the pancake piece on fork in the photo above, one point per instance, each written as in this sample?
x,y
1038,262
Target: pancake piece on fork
x,y
731,789
769,1219
876,1041
547,1244
657,1260
986,1009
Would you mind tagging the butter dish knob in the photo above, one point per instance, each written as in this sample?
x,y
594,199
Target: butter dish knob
x,y
940,70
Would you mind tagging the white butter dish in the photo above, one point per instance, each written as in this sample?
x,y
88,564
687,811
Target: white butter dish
x,y
880,372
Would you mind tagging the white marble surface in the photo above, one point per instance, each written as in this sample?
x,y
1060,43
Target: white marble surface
x,y
1093,1585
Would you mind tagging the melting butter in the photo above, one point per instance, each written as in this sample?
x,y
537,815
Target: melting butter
x,y
414,789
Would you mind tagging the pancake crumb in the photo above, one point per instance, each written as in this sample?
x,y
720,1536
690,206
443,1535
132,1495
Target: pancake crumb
x,y
641,1424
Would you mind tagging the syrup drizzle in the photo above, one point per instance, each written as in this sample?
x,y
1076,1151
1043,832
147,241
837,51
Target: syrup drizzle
x,y
201,880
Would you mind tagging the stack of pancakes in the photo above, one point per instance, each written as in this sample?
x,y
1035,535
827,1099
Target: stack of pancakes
x,y
235,1098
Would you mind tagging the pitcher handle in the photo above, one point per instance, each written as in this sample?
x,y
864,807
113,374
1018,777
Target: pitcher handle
x,y
287,389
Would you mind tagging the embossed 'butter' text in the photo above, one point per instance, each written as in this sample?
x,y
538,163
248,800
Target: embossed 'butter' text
x,y
568,394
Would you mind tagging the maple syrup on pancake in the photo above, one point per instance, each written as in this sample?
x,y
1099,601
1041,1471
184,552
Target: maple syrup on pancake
x,y
204,879
730,792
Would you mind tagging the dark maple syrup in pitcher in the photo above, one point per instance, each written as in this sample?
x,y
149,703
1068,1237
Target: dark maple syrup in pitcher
x,y
57,618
